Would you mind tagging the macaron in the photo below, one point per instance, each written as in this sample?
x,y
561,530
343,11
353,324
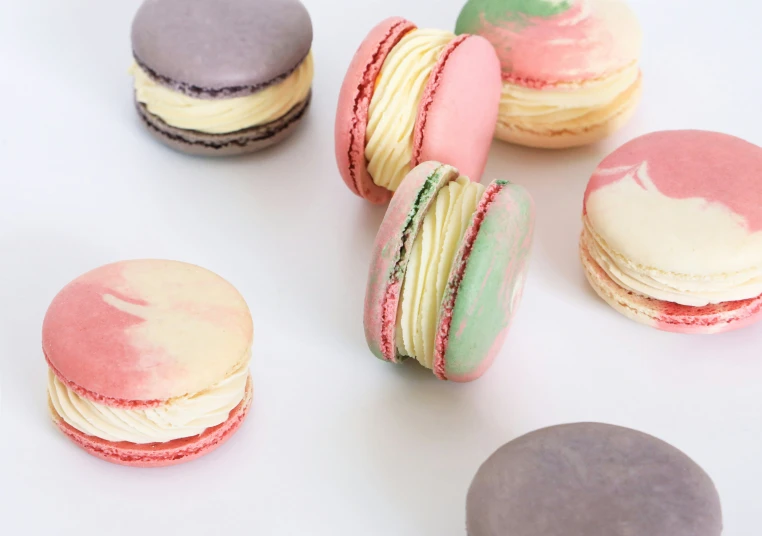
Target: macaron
x,y
447,272
570,67
412,95
672,233
221,77
148,361
591,479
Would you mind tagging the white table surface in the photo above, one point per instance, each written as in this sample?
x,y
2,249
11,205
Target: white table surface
x,y
338,443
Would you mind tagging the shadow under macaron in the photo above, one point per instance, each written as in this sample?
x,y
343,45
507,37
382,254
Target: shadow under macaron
x,y
419,440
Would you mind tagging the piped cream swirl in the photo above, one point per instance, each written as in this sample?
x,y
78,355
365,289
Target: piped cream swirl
x,y
221,116
394,106
428,269
567,106
182,417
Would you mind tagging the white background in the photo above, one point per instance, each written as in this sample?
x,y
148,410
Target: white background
x,y
338,443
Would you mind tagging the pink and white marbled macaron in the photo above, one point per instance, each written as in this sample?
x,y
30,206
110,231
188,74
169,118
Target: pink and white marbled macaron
x,y
673,231
148,361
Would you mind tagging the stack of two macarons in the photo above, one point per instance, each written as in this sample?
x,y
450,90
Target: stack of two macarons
x,y
415,120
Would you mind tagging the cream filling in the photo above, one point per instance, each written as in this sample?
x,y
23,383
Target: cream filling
x,y
695,291
182,417
394,106
428,269
221,116
568,106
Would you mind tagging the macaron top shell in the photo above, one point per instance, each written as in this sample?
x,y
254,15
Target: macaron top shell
x,y
682,202
138,333
591,479
684,164
543,42
220,48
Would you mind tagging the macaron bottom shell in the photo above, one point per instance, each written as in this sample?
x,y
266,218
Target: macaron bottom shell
x,y
159,454
668,316
245,141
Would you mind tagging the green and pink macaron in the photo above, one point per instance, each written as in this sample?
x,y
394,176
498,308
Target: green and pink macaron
x,y
672,232
448,271
148,361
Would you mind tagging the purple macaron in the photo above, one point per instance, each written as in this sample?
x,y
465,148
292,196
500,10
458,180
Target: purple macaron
x,y
222,77
591,479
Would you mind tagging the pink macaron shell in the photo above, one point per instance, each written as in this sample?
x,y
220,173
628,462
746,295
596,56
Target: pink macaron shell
x,y
136,333
693,163
459,109
398,230
486,283
160,454
667,316
354,101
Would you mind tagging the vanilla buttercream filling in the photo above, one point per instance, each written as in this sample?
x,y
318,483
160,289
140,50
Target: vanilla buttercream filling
x,y
394,106
222,116
683,289
428,270
568,105
182,417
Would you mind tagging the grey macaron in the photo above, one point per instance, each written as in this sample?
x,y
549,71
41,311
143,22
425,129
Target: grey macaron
x,y
591,479
221,49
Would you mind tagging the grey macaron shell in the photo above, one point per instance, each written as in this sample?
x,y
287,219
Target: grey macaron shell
x,y
591,479
233,144
220,48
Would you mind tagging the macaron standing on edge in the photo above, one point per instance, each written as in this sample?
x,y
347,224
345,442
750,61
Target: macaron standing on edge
x,y
672,233
570,67
148,361
591,479
448,271
411,95
222,77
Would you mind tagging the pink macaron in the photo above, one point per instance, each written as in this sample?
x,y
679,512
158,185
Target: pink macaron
x,y
148,361
412,95
673,231
448,271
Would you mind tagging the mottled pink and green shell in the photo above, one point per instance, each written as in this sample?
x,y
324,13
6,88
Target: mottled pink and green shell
x,y
484,285
543,42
